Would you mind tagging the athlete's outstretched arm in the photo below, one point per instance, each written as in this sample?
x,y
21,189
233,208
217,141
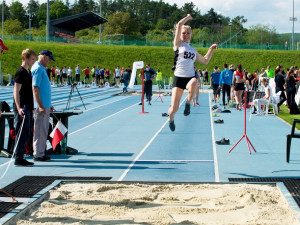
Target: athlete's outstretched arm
x,y
205,59
177,40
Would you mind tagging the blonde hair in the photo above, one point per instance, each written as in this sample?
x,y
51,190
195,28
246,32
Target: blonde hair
x,y
186,27
264,80
27,53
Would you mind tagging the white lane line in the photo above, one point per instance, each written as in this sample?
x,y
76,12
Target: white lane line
x,y
175,160
102,119
145,148
217,175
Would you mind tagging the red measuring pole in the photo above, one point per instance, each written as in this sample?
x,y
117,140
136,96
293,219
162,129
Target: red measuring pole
x,y
245,128
143,95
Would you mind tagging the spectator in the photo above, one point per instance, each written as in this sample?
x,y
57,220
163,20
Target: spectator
x,y
77,73
53,74
86,76
98,75
42,96
70,78
196,97
149,75
291,92
64,74
280,82
93,74
206,75
265,99
126,78
225,82
255,80
270,73
249,81
102,74
58,75
238,81
107,75
48,72
159,79
23,97
214,84
201,78
117,76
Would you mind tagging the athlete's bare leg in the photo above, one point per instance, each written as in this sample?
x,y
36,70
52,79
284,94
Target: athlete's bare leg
x,y
176,96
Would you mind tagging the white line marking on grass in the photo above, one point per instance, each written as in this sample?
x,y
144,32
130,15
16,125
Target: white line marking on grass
x,y
101,120
217,175
145,148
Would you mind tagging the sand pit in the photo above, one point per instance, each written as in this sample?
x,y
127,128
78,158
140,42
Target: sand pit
x,y
96,203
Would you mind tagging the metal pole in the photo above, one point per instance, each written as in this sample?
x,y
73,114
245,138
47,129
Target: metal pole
x,y
100,26
2,18
230,35
48,22
293,24
29,15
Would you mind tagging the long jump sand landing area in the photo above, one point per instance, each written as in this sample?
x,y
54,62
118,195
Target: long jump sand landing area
x,y
96,203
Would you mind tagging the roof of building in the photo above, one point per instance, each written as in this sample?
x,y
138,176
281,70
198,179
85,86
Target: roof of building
x,y
79,21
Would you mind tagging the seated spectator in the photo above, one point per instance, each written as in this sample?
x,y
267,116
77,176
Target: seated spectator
x,y
265,99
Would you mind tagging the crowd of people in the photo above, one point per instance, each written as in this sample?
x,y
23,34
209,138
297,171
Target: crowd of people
x,y
232,82
97,75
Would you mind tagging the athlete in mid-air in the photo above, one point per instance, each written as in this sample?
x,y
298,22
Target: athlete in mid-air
x,y
184,75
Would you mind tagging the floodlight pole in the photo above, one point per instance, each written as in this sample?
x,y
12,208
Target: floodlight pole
x,y
293,24
100,26
2,18
48,22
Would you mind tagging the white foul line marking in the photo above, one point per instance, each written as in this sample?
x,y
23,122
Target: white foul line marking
x,y
217,175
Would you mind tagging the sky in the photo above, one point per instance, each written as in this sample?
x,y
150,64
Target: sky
x,y
276,13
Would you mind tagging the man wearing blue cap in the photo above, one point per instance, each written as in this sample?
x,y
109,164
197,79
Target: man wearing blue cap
x,y
42,96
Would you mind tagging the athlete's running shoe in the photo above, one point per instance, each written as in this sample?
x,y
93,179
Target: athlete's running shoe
x,y
187,109
197,104
172,126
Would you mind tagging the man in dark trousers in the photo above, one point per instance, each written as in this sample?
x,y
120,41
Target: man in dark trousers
x,y
23,105
149,75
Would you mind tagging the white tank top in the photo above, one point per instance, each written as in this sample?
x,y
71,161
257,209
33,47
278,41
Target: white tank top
x,y
185,58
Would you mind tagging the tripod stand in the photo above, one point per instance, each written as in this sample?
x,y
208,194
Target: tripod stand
x,y
70,96
159,94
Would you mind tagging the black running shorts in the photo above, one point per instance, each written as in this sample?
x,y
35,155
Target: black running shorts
x,y
239,87
181,82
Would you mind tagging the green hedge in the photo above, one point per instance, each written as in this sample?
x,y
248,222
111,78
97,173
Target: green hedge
x,y
158,57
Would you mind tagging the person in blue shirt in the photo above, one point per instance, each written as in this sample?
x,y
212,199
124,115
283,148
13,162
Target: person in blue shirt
x,y
42,95
214,83
149,75
226,83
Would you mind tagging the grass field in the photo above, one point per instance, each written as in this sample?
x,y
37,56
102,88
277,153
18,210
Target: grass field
x,y
159,57
123,56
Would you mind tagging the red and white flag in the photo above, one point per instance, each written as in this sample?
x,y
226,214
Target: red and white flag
x,y
58,134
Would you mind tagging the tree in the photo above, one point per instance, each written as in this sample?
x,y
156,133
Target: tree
x,y
58,10
80,6
13,27
120,23
17,11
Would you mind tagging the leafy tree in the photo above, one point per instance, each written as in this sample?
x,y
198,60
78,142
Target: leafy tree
x,y
80,6
13,27
58,10
120,23
17,11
